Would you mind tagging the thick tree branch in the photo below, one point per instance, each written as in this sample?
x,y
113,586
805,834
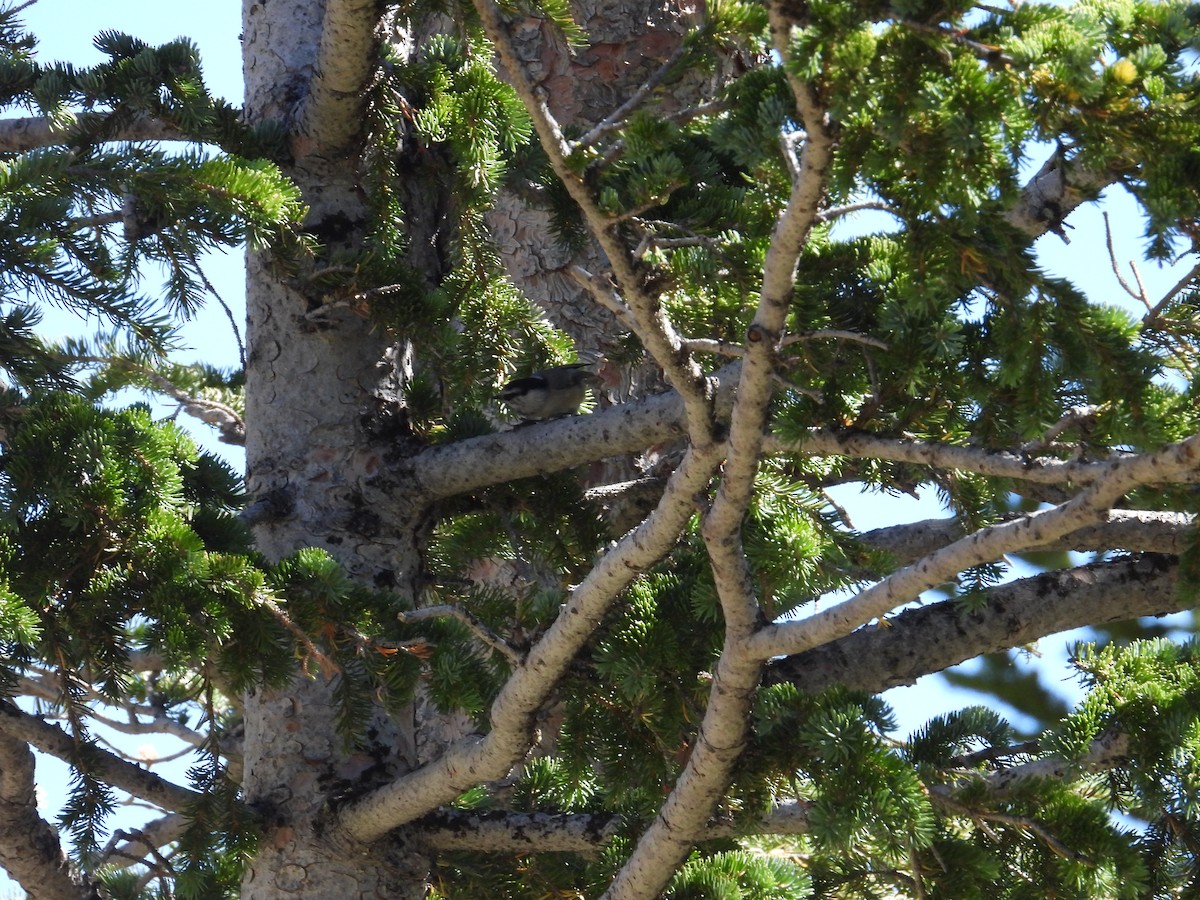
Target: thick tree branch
x,y
985,545
332,119
455,830
615,120
475,760
765,334
29,847
120,774
547,446
993,463
34,132
467,465
1059,187
722,735
921,641
1109,750
1132,530
509,832
683,817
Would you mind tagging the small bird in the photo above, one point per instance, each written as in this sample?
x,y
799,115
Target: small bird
x,y
550,393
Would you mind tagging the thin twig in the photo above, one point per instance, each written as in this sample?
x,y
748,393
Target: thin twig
x,y
987,52
1027,824
237,332
718,346
914,862
786,385
837,212
833,334
1156,312
328,667
617,117
681,117
1112,257
1077,415
1137,276
992,754
323,311
651,203
481,632
605,294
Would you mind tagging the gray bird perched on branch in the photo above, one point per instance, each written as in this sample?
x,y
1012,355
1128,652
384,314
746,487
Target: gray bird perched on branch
x,y
550,393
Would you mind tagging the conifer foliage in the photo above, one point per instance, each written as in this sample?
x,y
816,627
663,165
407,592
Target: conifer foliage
x,y
426,650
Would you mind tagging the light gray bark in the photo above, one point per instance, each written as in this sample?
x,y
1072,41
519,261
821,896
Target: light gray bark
x,y
932,638
324,410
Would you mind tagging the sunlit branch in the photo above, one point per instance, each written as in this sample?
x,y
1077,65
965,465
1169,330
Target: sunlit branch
x,y
834,334
480,759
1109,750
34,132
332,119
718,347
601,290
994,463
1131,530
934,637
722,733
837,212
985,545
120,774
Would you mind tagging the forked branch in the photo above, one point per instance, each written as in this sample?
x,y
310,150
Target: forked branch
x,y
475,760
987,544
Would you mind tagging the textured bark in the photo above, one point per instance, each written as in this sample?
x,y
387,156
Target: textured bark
x,y
29,847
324,409
627,44
326,431
922,641
120,773
1131,530
21,135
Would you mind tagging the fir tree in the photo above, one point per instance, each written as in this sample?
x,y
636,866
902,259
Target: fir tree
x,y
636,652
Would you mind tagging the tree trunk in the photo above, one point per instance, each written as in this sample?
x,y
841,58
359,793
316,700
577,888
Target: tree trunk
x,y
326,421
323,395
